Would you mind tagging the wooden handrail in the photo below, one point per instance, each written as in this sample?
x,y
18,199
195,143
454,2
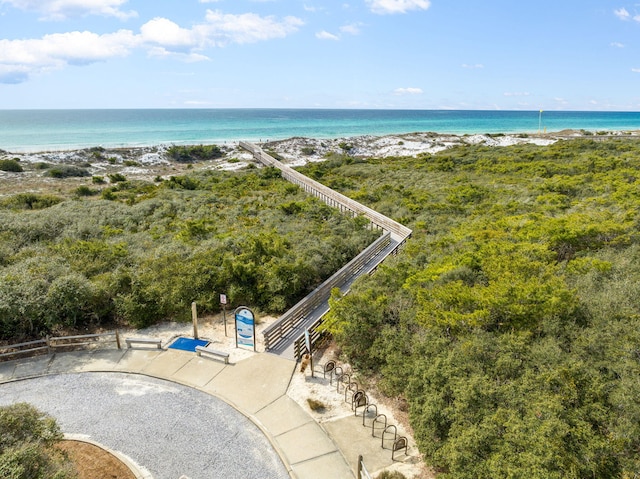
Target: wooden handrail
x,y
298,312
319,189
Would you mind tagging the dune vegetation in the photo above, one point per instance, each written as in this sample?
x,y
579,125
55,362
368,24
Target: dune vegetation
x,y
137,252
511,321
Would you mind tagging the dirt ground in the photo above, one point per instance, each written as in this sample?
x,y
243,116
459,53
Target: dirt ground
x,y
93,462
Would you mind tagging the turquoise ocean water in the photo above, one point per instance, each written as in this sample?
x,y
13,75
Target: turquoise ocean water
x,y
44,130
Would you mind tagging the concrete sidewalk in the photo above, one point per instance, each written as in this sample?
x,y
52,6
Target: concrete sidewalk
x,y
256,387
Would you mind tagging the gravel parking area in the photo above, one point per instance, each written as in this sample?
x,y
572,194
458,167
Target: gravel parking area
x,y
173,431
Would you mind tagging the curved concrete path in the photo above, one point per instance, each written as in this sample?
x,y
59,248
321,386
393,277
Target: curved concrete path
x,y
256,387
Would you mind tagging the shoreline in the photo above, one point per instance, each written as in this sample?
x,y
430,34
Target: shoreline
x,y
152,164
32,131
532,136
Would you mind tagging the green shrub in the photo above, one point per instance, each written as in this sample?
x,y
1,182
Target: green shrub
x,y
97,153
30,201
520,281
117,178
147,255
308,150
183,182
41,165
27,445
84,191
108,194
391,475
11,165
97,180
190,154
66,171
131,163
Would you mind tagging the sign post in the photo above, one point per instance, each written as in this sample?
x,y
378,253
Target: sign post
x,y
223,302
194,318
245,327
307,343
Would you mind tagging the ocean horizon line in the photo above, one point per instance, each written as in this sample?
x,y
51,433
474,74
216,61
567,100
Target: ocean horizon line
x,y
313,108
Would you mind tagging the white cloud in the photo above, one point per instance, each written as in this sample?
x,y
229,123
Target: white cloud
x,y
351,29
324,35
524,93
616,44
473,67
160,37
165,32
62,9
635,70
221,29
21,58
397,6
187,57
218,29
408,91
622,13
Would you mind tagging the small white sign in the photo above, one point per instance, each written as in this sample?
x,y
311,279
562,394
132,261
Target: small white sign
x,y
223,299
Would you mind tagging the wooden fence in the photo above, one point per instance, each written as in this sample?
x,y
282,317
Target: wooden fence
x,y
62,343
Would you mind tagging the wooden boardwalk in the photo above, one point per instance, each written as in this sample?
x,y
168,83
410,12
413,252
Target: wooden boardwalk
x,y
282,336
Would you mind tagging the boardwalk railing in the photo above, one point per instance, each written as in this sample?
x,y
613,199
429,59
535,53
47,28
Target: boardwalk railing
x,y
301,310
394,232
329,196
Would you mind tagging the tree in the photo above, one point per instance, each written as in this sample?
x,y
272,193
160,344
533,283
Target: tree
x,y
27,445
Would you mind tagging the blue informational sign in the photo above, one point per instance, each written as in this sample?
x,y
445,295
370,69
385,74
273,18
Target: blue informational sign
x,y
245,328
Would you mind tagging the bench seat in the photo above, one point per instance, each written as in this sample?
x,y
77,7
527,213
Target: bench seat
x,y
206,350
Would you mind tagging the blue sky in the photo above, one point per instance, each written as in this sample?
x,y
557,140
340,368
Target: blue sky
x,y
418,54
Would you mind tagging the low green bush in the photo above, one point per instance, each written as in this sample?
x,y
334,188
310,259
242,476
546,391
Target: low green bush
x,y
28,445
66,171
190,154
84,191
117,178
391,475
11,165
308,150
30,201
